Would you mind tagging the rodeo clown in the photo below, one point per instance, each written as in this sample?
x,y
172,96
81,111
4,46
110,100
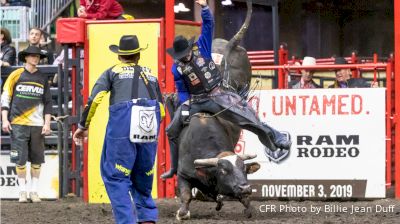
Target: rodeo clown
x,y
130,144
197,78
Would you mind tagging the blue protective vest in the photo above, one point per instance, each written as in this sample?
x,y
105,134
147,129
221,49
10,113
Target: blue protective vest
x,y
200,74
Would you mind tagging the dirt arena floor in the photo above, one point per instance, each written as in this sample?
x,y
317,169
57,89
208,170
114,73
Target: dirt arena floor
x,y
74,210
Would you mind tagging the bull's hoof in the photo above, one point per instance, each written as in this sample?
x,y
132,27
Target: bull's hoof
x,y
248,212
219,206
181,217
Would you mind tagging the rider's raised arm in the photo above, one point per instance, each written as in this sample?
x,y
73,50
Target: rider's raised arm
x,y
183,93
207,30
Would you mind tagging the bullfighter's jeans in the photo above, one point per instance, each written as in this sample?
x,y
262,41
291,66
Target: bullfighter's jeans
x,y
127,169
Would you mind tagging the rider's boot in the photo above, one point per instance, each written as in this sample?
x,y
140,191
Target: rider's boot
x,y
174,160
280,140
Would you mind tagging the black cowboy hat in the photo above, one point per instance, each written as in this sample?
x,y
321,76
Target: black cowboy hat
x,y
181,47
30,50
128,44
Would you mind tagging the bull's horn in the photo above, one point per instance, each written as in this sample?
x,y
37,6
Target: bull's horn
x,y
247,156
206,162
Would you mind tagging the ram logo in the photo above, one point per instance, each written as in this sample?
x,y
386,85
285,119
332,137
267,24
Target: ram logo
x,y
146,120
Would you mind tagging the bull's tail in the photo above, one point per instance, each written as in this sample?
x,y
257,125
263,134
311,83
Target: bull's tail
x,y
234,42
239,35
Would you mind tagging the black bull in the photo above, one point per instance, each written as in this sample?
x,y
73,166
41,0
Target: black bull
x,y
206,146
208,163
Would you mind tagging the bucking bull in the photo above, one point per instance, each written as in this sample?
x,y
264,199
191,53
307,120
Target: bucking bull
x,y
206,145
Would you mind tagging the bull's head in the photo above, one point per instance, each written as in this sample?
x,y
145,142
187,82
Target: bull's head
x,y
231,173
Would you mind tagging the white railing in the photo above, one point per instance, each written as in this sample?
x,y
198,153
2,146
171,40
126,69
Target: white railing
x,y
44,12
16,20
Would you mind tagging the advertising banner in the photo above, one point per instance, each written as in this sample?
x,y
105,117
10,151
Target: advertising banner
x,y
48,181
338,148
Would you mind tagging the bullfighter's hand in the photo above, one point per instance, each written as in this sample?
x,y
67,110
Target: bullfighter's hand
x,y
80,135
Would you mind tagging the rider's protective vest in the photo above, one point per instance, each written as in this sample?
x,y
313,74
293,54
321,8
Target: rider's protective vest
x,y
200,74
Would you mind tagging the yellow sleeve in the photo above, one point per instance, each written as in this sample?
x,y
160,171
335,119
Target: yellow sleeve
x,y
8,88
162,110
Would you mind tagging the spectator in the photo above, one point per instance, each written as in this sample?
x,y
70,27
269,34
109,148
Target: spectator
x,y
60,60
7,54
306,81
36,37
26,112
344,80
127,161
294,75
4,3
100,9
44,40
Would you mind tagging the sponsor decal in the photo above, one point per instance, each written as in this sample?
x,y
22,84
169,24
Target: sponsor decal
x,y
146,120
150,172
179,69
125,72
144,124
126,75
328,146
187,69
128,68
207,75
144,137
14,154
211,65
122,169
194,80
200,62
29,89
